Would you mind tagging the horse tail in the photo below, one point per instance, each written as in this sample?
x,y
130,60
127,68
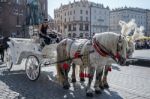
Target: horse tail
x,y
61,55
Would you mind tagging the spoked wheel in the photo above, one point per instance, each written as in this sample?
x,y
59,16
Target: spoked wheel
x,y
8,59
32,67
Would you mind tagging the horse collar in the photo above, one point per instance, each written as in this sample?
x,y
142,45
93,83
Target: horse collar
x,y
99,48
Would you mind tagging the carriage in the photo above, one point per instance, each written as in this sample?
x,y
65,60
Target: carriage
x,y
30,50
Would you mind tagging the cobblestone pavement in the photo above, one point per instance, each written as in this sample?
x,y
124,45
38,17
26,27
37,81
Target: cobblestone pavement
x,y
144,53
125,83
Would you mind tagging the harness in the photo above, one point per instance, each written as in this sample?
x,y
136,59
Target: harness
x,y
105,52
78,52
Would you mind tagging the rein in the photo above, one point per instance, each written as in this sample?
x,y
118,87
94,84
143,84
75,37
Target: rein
x,y
69,59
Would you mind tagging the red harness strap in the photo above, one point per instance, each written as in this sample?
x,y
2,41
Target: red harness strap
x,y
98,48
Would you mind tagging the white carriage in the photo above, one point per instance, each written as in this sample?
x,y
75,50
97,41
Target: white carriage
x,y
29,49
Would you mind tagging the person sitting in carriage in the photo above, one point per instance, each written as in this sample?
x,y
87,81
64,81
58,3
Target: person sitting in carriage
x,y
43,33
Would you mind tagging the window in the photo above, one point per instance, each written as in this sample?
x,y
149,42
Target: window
x,y
86,12
81,27
65,19
86,27
74,35
74,27
69,35
81,35
69,29
70,12
80,11
86,18
65,26
81,18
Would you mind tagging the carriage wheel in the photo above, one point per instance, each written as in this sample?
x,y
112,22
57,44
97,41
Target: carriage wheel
x,y
32,67
8,59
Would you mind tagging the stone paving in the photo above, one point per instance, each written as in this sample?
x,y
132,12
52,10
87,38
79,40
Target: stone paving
x,y
132,82
125,83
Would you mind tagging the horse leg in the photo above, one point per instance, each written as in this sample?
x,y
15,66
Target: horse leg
x,y
105,83
102,77
97,81
82,73
65,72
62,73
73,72
89,91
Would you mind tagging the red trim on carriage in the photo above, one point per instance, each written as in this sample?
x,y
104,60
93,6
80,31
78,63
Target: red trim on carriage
x,y
98,48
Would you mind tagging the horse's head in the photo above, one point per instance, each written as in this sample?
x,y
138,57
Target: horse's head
x,y
121,51
111,44
138,32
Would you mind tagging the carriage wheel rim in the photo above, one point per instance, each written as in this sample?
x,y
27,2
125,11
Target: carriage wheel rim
x,y
8,59
32,68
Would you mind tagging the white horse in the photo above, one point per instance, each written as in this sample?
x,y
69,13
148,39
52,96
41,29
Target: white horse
x,y
138,32
83,53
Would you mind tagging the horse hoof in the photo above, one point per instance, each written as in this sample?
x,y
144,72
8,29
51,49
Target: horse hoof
x,y
102,87
98,92
73,80
66,87
106,86
82,79
89,94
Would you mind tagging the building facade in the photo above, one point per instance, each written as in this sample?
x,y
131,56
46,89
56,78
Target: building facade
x,y
14,16
148,22
51,22
76,19
99,18
126,14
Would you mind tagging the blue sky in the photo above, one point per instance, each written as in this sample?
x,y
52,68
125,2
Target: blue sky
x,y
52,4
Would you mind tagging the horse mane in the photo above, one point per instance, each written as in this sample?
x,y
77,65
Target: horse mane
x,y
138,33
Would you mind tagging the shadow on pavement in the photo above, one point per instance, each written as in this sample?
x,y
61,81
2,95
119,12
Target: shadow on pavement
x,y
46,87
140,62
